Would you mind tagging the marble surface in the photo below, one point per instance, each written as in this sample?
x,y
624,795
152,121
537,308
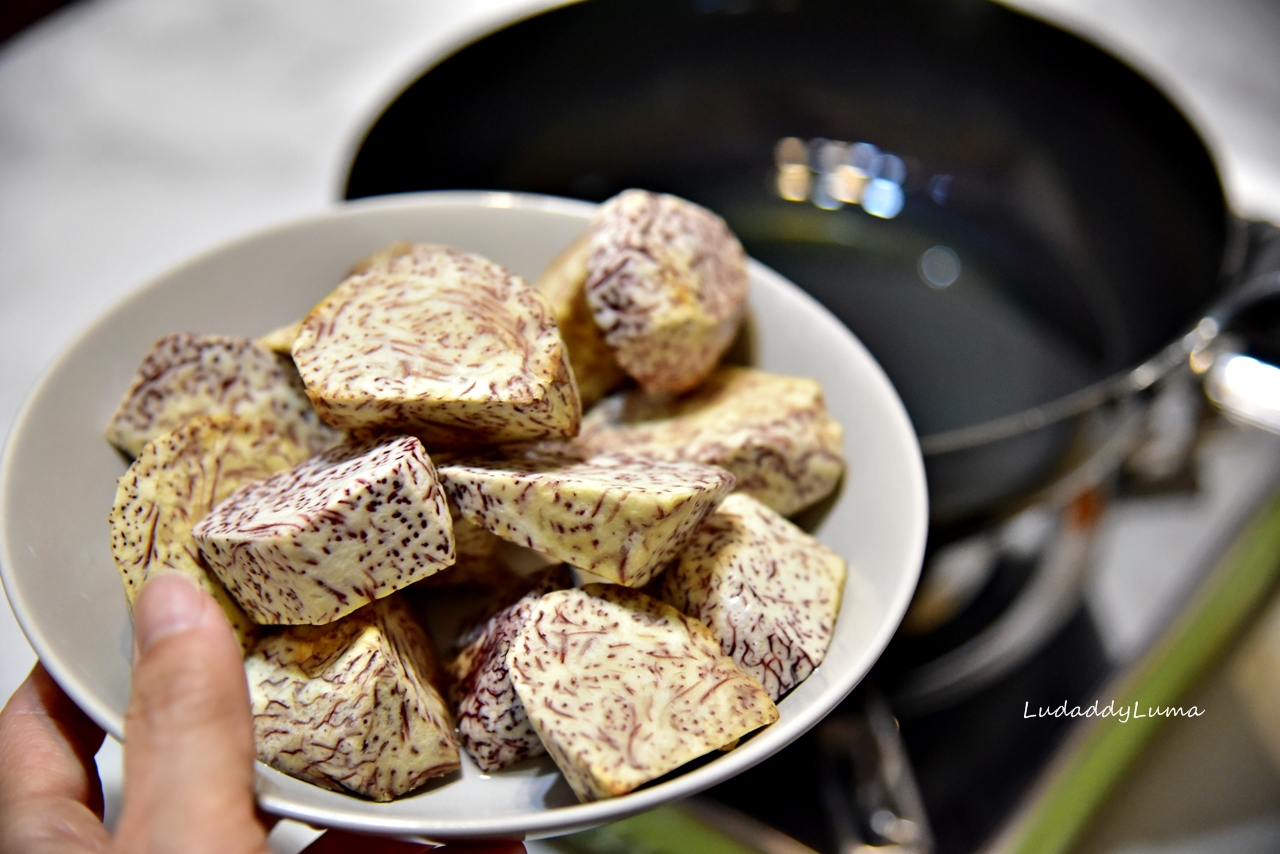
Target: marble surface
x,y
134,133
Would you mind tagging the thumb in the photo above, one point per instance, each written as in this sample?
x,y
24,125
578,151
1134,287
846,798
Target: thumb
x,y
188,762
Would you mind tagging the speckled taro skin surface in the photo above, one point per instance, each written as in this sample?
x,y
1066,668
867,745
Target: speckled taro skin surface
x,y
564,284
478,562
492,723
622,688
184,375
174,483
667,285
621,518
312,544
442,344
772,432
768,590
352,706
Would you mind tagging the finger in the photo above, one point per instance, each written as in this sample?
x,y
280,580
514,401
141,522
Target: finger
x,y
47,745
50,796
188,758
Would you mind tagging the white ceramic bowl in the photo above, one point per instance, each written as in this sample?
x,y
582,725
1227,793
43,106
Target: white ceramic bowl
x,y
58,481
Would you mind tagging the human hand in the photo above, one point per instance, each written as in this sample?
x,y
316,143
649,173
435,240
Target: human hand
x,y
188,767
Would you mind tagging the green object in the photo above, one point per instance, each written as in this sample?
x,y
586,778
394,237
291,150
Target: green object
x,y
1235,589
665,830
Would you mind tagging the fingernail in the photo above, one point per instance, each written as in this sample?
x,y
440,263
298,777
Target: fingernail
x,y
168,603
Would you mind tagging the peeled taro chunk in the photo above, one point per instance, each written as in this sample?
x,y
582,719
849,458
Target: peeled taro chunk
x,y
351,705
667,285
769,591
563,283
479,561
185,375
618,517
771,431
314,543
442,344
174,483
622,688
492,724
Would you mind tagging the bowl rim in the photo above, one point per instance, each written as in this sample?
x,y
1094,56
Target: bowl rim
x,y
554,820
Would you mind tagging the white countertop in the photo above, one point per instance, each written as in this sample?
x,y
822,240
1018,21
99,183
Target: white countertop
x,y
134,133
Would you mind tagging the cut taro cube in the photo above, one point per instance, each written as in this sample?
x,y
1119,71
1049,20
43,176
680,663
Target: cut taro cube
x,y
440,343
563,283
174,483
667,286
184,375
346,527
618,517
623,688
351,706
492,724
772,432
769,591
479,564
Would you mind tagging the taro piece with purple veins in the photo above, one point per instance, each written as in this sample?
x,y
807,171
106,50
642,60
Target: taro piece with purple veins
x,y
353,705
184,375
769,591
314,543
618,517
623,688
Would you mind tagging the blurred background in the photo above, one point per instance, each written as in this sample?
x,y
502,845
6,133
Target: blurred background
x,y
1047,219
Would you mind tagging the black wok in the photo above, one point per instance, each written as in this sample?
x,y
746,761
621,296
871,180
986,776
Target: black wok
x,y
1085,212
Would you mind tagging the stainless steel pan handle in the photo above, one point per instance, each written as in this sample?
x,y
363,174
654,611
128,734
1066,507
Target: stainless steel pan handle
x,y
1243,386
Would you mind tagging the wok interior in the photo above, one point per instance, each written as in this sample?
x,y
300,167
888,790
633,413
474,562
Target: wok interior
x,y
1084,213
